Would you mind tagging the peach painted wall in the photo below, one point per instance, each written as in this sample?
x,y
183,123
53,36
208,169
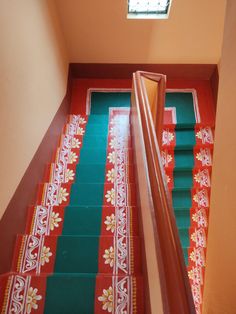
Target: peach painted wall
x,y
99,32
220,288
33,78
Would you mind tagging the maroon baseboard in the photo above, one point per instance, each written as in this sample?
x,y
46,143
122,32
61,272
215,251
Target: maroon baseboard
x,y
125,71
14,218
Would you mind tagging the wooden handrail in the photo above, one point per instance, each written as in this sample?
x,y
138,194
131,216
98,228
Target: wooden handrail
x,y
175,289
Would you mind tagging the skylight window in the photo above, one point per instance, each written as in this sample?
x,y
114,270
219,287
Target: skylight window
x,y
157,9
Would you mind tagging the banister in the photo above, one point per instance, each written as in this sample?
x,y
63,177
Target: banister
x,y
174,284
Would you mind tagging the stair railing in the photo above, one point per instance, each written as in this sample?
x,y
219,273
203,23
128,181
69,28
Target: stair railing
x,y
154,201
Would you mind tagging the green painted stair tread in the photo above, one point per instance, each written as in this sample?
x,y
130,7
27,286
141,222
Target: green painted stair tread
x,y
90,173
184,160
80,254
70,294
90,194
92,155
101,119
77,254
183,179
102,101
183,102
76,220
185,139
182,198
185,250
93,141
184,236
182,218
96,129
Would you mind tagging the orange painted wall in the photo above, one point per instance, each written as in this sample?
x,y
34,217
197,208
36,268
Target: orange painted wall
x,y
33,78
99,32
220,279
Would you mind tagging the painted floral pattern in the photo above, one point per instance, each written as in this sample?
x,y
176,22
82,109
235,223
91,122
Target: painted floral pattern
x,y
111,175
69,175
45,255
112,157
107,300
110,223
72,157
109,256
62,195
32,299
54,221
110,196
75,143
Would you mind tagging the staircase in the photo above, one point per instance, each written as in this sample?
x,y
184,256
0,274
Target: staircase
x,y
81,249
187,159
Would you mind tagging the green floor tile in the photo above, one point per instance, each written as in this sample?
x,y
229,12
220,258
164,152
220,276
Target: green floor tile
x,y
183,102
183,179
185,139
90,173
182,198
76,220
102,101
184,159
93,155
70,294
87,194
77,254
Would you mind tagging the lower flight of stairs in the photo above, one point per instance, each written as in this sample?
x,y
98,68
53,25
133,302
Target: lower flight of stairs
x,y
187,160
81,249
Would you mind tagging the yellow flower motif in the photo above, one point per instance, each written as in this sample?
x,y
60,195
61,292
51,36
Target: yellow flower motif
x,y
80,131
107,299
112,157
109,256
199,135
81,120
69,175
110,222
110,196
75,143
54,220
72,157
31,300
45,254
197,178
62,195
195,198
113,143
111,175
195,217
191,274
194,237
167,178
192,256
199,156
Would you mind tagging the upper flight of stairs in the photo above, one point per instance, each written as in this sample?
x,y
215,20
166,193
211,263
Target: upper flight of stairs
x,y
81,249
187,160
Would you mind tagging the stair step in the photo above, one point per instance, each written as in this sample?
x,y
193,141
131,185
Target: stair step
x,y
185,139
183,179
77,254
77,293
87,194
73,220
182,218
184,159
